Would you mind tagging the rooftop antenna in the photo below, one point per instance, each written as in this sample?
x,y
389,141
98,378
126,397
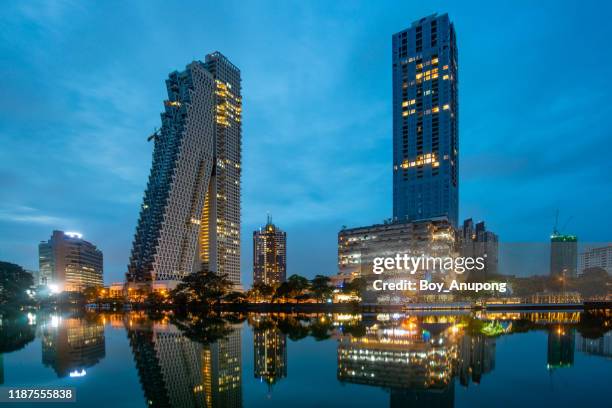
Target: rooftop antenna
x,y
269,218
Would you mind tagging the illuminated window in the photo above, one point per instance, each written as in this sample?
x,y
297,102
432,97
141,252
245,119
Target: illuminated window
x,y
421,160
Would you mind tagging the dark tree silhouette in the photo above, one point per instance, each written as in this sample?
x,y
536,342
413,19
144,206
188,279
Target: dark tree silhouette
x,y
320,288
14,281
201,289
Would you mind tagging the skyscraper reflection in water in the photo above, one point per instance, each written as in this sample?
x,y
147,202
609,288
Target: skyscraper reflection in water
x,y
222,369
416,360
178,372
269,351
424,360
477,357
430,398
561,344
71,345
601,346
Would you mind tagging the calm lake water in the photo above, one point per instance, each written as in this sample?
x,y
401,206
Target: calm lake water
x,y
317,360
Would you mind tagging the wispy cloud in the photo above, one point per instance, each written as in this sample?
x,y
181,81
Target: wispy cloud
x,y
29,215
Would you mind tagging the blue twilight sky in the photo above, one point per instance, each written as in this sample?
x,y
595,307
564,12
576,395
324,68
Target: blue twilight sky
x,y
82,86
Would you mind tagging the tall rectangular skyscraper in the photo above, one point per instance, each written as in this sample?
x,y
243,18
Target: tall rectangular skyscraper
x,y
269,255
563,255
425,121
190,216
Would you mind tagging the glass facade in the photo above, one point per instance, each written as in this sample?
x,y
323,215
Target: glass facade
x,y
69,263
190,216
425,121
269,255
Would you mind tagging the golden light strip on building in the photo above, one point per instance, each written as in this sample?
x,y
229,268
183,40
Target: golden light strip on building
x,y
421,160
207,375
205,231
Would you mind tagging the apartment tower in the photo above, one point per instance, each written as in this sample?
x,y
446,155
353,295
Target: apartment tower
x,y
425,121
269,255
190,215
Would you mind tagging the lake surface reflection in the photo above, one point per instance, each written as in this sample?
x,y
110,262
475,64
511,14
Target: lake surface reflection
x,y
235,360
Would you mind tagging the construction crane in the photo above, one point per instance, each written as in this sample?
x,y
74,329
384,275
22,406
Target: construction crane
x,y
566,222
156,133
556,231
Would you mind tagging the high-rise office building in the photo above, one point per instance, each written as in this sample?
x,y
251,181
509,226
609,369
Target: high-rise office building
x,y
190,216
477,242
563,255
425,121
596,258
69,263
357,247
269,255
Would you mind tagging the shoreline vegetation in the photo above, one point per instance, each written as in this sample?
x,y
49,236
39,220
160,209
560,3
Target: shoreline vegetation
x,y
206,292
